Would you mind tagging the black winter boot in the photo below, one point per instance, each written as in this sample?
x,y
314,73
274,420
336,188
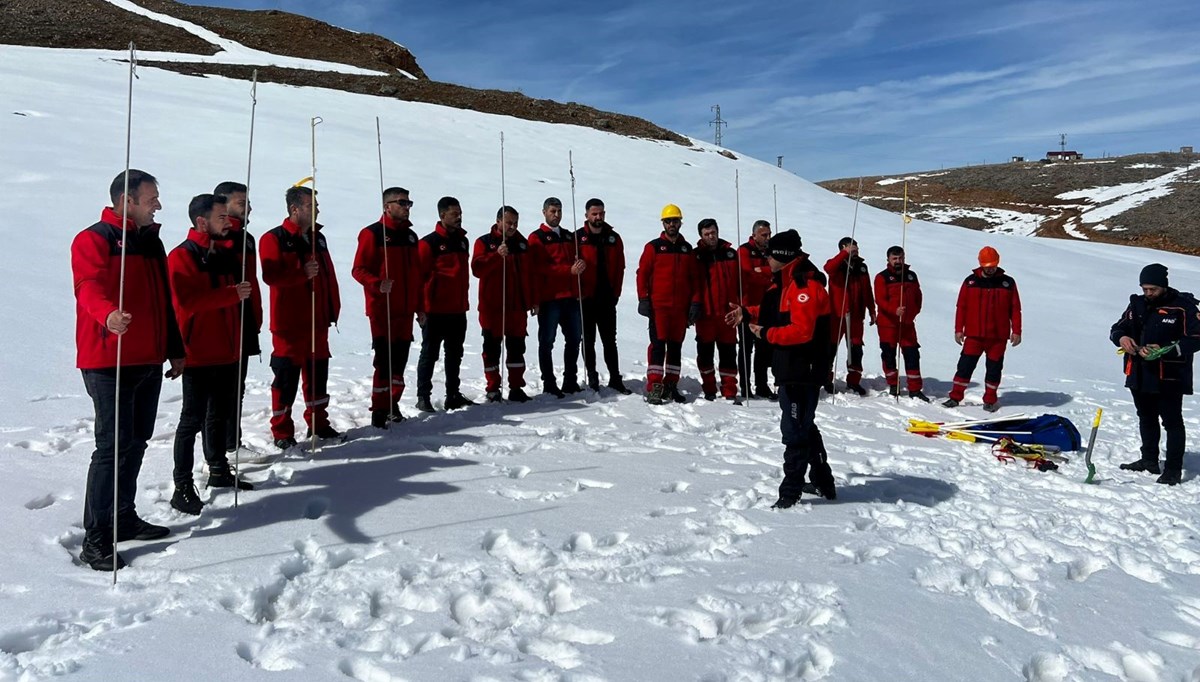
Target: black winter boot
x,y
458,400
97,551
222,477
136,528
424,404
518,395
379,419
1170,477
1150,467
617,385
186,499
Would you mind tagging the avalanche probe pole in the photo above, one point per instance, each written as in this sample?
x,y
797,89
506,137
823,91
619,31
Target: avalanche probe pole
x,y
237,384
386,274
503,274
744,375
904,221
312,283
121,308
1087,455
578,256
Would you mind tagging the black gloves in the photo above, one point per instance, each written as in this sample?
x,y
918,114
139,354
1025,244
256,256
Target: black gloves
x,y
644,308
694,312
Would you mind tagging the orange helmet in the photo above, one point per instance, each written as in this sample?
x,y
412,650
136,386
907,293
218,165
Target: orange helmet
x,y
988,257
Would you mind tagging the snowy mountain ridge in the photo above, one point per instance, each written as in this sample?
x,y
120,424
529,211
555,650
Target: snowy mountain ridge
x,y
584,539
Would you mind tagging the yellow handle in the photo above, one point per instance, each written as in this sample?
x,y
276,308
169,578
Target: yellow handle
x,y
1096,421
305,181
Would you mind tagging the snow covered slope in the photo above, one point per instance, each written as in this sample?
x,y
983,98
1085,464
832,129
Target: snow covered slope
x,y
596,538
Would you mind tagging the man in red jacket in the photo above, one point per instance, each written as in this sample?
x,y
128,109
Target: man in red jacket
x,y
444,270
250,312
852,300
756,279
898,297
296,265
603,277
388,266
987,317
669,295
505,300
145,326
207,292
558,267
718,279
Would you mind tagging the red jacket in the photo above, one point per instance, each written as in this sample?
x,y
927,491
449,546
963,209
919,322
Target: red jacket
x,y
553,255
756,273
152,336
505,284
988,307
403,267
802,305
284,251
444,269
668,274
888,288
855,299
203,273
603,252
718,272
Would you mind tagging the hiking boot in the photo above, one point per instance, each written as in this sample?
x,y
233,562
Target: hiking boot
x,y
619,386
949,402
894,390
326,432
1142,465
379,419
457,401
224,478
830,388
571,386
140,529
785,503
423,405
710,396
395,416
493,396
552,389
518,395
919,395
655,395
1170,478
593,381
991,407
857,388
186,499
672,391
285,443
99,555
766,393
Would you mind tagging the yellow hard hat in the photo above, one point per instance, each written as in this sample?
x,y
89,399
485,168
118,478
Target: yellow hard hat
x,y
671,211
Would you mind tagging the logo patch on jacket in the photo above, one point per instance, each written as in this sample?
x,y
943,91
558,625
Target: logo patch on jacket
x,y
612,239
803,298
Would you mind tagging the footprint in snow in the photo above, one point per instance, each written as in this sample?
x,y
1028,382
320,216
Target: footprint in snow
x,y
41,502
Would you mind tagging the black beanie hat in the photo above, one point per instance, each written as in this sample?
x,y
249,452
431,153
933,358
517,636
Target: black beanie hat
x,y
1154,274
785,246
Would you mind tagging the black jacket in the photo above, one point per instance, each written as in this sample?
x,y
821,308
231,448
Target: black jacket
x,y
1174,317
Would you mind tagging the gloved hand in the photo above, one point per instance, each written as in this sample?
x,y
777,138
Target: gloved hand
x,y
644,308
694,312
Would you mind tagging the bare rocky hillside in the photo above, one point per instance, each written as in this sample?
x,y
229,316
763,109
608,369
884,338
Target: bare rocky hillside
x,y
1150,200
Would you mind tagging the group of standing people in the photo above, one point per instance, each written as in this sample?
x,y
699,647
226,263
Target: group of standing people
x,y
199,307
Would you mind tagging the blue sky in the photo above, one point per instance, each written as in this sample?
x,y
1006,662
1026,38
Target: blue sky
x,y
856,87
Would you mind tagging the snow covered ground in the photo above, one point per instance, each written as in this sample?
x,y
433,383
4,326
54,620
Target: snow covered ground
x,y
586,539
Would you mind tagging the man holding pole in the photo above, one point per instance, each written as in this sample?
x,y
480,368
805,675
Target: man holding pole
x,y
296,265
852,300
558,268
756,279
898,297
237,205
505,300
388,266
135,313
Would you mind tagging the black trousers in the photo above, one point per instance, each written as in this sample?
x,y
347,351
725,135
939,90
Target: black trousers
x,y
207,394
600,316
449,329
755,353
140,387
804,448
1167,408
233,421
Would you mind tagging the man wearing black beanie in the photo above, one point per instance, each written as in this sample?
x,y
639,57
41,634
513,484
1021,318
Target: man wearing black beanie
x,y
1158,333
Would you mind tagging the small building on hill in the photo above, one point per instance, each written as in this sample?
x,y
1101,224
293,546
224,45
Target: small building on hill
x,y
1018,159
1185,150
1063,156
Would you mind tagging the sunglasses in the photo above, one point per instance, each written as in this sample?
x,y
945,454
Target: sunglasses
x,y
400,202
673,220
